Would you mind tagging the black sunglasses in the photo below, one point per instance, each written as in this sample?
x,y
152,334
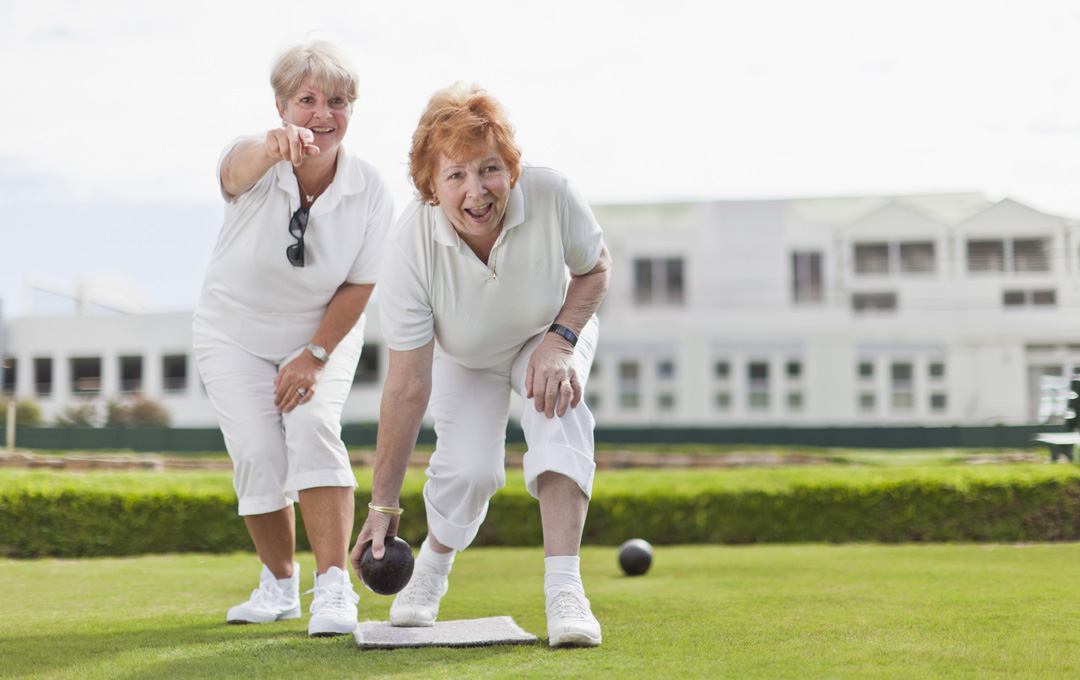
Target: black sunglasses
x,y
297,227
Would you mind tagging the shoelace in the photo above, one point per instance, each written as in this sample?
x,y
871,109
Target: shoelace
x,y
266,594
569,604
424,587
334,595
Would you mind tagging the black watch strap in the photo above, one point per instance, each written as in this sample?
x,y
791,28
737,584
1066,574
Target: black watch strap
x,y
570,335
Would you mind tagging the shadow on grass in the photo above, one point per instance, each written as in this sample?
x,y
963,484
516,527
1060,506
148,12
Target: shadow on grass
x,y
205,650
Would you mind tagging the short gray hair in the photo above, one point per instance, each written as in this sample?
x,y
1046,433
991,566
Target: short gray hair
x,y
329,67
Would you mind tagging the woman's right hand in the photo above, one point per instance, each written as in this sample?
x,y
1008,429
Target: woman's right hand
x,y
377,527
290,143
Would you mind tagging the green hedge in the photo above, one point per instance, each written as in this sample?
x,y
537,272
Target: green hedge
x,y
61,522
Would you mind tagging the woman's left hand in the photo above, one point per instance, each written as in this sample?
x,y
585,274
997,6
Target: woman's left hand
x,y
295,382
551,381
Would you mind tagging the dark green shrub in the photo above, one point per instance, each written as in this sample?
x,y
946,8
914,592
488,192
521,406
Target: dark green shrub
x,y
69,524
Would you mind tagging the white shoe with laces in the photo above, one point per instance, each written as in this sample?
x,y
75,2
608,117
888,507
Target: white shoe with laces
x,y
570,620
273,600
333,611
418,604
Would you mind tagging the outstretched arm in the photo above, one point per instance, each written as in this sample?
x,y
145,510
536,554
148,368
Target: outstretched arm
x,y
405,398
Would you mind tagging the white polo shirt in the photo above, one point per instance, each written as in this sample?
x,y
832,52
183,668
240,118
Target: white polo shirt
x,y
252,295
480,314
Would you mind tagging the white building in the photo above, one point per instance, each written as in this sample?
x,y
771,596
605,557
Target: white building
x,y
905,310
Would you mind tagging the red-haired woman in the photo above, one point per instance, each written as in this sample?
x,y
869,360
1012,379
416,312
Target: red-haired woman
x,y
491,283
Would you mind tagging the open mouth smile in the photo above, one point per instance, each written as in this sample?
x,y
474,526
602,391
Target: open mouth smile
x,y
480,214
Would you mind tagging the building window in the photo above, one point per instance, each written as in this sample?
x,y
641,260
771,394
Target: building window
x,y
592,400
936,370
759,401
871,258
986,256
43,379
658,281
174,372
629,385
722,401
903,401
666,402
1031,255
794,370
1044,298
86,375
867,402
794,401
131,374
914,257
665,370
1029,298
722,370
367,368
866,370
864,303
757,373
937,403
903,386
917,258
806,277
8,385
1009,255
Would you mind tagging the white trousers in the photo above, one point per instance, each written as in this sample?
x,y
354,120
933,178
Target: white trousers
x,y
471,408
275,455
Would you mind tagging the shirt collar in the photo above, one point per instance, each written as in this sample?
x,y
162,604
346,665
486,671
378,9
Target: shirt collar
x,y
348,180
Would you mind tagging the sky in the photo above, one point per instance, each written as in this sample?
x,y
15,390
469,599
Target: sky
x,y
116,111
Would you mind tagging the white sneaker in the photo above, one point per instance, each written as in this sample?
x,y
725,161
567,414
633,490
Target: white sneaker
x,y
570,620
333,611
271,601
418,603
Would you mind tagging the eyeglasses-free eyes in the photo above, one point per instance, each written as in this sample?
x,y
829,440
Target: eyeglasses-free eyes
x,y
297,227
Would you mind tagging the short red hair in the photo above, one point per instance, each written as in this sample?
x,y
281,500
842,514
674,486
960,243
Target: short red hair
x,y
459,120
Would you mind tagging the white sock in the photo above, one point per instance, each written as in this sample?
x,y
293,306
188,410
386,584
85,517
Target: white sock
x,y
440,562
562,570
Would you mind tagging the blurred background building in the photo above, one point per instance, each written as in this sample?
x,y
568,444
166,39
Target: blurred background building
x,y
898,310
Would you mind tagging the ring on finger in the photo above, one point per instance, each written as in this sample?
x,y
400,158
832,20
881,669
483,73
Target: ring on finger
x,y
301,391
564,383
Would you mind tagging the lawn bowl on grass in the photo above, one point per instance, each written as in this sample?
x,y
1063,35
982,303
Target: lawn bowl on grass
x,y
391,574
635,556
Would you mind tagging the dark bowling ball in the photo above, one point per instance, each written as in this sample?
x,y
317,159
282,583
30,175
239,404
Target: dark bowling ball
x,y
390,574
635,557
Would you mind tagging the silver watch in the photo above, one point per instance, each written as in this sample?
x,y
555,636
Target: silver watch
x,y
318,352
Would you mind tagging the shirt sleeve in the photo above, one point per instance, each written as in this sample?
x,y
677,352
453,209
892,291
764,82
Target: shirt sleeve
x,y
379,220
583,240
405,312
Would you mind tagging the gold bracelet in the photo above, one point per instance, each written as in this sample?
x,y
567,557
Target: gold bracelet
x,y
384,510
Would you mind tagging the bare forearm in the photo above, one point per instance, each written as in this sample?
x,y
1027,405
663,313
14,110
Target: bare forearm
x,y
342,313
245,165
405,398
584,294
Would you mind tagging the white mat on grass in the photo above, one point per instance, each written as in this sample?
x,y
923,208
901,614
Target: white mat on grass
x,y
494,630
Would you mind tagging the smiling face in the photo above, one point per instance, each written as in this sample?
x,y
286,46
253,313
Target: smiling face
x,y
473,191
326,115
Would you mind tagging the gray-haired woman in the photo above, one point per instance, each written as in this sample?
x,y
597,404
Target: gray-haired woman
x,y
279,327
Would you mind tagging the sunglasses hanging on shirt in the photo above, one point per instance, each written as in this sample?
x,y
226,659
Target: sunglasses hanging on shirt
x,y
297,227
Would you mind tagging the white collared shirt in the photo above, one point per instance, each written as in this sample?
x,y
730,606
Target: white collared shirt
x,y
252,294
480,314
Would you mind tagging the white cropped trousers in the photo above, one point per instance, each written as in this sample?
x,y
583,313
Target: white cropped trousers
x,y
471,408
275,455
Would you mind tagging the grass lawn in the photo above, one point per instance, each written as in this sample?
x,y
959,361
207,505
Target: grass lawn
x,y
766,611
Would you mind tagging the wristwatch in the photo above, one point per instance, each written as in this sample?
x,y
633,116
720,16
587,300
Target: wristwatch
x,y
319,353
